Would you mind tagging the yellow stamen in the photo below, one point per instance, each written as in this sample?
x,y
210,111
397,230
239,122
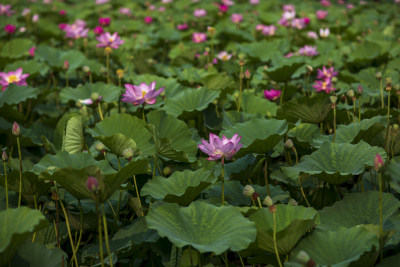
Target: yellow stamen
x,y
143,93
12,79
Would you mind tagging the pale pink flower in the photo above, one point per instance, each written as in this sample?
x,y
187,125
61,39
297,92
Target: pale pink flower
x,y
224,56
325,2
269,30
312,35
198,37
35,18
101,2
199,13
125,11
108,40
6,10
254,2
25,12
218,148
308,51
142,94
321,14
237,18
16,77
324,32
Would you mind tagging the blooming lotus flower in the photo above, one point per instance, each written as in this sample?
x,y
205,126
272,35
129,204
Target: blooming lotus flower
x,y
308,51
223,8
254,2
25,11
12,77
199,37
101,2
125,11
98,30
76,30
321,14
269,30
324,85
218,148
237,18
325,2
324,32
87,101
199,13
6,10
228,2
272,94
284,22
289,15
148,20
182,27
141,94
35,18
288,8
224,56
108,40
299,23
312,35
326,73
104,21
10,29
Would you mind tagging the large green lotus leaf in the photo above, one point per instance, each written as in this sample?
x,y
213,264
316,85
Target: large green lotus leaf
x,y
292,222
390,261
284,68
15,226
205,227
172,137
258,135
305,133
338,248
15,94
117,143
73,138
336,163
181,187
56,57
132,128
16,48
109,92
41,255
232,117
30,183
28,66
265,50
217,81
364,52
308,109
393,170
358,208
190,100
257,105
365,130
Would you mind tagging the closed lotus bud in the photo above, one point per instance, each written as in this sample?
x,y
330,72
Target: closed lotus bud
x,y
4,156
350,93
100,147
268,201
360,89
248,191
333,99
86,69
289,143
92,184
247,74
120,74
309,68
15,129
66,65
303,257
378,75
378,163
128,154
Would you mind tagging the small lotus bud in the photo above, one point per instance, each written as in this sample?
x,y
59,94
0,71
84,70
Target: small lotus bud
x,y
303,257
100,147
120,74
248,191
350,93
86,69
167,171
378,163
268,201
309,68
94,96
92,184
15,129
333,99
378,75
289,143
128,154
395,127
4,156
247,74
66,65
360,89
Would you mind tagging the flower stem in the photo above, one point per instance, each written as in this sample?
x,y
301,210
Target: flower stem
x,y
155,165
381,88
240,87
354,110
143,115
281,98
359,109
380,217
100,233
259,202
100,112
223,180
138,196
66,79
388,122
241,260
334,124
20,172
5,182
106,234
266,176
108,67
81,226
274,237
69,232
302,192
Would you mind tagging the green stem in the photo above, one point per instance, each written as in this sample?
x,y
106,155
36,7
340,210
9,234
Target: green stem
x,y
281,98
334,124
155,164
259,202
240,87
138,196
66,79
20,172
274,237
108,67
266,176
100,233
388,122
308,84
241,260
359,109
226,259
380,217
5,182
190,254
81,227
120,194
354,110
392,145
69,232
381,88
143,115
223,180
106,234
302,192
100,112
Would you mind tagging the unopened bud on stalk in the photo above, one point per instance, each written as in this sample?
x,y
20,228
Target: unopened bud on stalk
x,y
247,74
66,65
86,69
4,156
378,75
309,68
128,154
303,257
248,191
92,184
100,147
289,143
333,99
378,163
350,93
211,30
268,201
15,129
360,89
94,96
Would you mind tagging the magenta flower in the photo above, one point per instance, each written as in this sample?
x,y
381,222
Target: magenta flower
x,y
10,29
32,51
98,30
223,8
104,21
308,51
378,163
92,184
182,27
269,30
62,12
141,94
199,13
237,18
16,130
324,85
6,10
326,73
12,77
199,37
108,40
62,26
272,94
218,148
321,14
148,20
325,2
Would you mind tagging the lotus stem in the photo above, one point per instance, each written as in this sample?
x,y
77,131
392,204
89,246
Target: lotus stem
x,y
392,145
120,194
223,180
66,79
334,124
20,172
274,237
302,192
108,66
106,234
138,196
381,88
308,84
266,176
388,123
100,112
380,216
240,86
69,233
155,164
100,233
119,100
81,226
259,202
322,127
190,255
226,258
354,110
283,91
5,182
348,113
240,257
143,115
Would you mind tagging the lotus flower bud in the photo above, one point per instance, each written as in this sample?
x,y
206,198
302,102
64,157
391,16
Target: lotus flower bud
x,y
241,60
350,93
15,129
395,127
289,143
247,74
92,184
100,147
4,156
128,154
248,191
303,257
378,163
309,68
333,99
268,201
388,80
120,74
378,75
86,69
66,65
360,89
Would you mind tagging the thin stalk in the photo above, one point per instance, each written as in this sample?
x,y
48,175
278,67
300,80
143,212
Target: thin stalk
x,y
308,84
100,112
259,202
392,145
223,180
381,88
323,196
155,165
111,207
359,109
388,122
138,196
334,124
119,100
322,127
66,79
226,259
241,260
240,87
266,176
120,194
100,233
302,192
69,233
20,172
190,255
143,115
380,217
282,93
348,113
81,227
108,66
354,110
106,234
5,182
274,237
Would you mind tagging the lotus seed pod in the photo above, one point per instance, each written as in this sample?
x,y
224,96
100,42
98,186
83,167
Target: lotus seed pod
x,y
350,93
100,147
303,257
333,99
268,201
94,96
167,171
4,156
248,191
378,75
120,74
92,184
289,143
309,68
86,69
378,162
211,30
16,130
128,154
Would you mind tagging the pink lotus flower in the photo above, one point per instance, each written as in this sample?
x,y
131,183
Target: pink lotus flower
x,y
254,2
141,94
87,101
237,18
312,35
10,29
199,13
324,85
148,20
326,73
101,2
288,8
25,11
321,14
92,184
182,27
104,21
108,40
12,77
289,15
272,94
62,26
289,55
224,56
199,37
298,23
378,163
62,12
98,30
269,30
325,2
308,51
284,22
16,130
125,11
223,8
218,148
228,2
6,10
76,30
32,51
35,18
350,6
